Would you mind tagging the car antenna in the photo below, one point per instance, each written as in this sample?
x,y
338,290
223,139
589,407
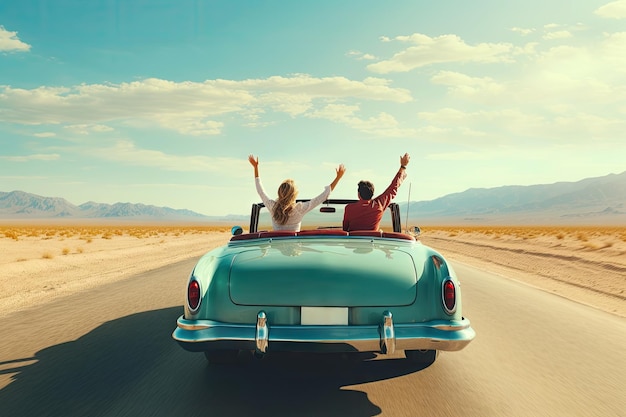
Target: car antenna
x,y
408,202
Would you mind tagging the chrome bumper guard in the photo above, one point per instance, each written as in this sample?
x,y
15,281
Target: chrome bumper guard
x,y
386,338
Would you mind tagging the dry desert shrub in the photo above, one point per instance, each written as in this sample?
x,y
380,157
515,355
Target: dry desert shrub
x,y
591,246
47,255
11,234
528,233
88,232
583,233
65,251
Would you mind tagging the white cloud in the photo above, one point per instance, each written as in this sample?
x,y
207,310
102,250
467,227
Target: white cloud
x,y
431,130
442,49
33,157
443,116
612,54
191,108
472,133
590,126
559,34
126,152
527,49
192,124
383,124
450,116
370,88
512,125
45,134
613,10
9,42
577,91
556,30
361,56
464,85
582,74
85,129
523,31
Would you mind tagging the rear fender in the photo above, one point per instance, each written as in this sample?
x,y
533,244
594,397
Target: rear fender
x,y
436,271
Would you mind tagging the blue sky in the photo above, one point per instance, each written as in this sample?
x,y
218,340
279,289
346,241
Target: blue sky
x,y
161,101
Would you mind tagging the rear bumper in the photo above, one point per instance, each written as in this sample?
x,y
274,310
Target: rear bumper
x,y
386,338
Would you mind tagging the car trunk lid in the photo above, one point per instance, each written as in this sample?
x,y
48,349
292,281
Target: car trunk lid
x,y
298,273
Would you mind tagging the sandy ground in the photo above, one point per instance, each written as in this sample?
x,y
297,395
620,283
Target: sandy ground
x,y
35,269
588,267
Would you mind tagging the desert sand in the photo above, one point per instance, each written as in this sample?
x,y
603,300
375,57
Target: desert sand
x,y
583,264
39,263
42,263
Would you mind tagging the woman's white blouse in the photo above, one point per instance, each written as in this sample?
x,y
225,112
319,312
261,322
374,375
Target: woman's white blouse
x,y
298,212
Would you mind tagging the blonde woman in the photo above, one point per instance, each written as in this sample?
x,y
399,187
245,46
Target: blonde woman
x,y
286,213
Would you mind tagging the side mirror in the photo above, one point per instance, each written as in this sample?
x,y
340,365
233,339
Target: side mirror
x,y
416,231
327,209
236,230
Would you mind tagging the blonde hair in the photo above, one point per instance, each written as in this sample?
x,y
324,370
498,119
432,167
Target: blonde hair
x,y
287,193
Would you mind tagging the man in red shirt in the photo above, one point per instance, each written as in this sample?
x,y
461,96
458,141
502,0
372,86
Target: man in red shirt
x,y
366,213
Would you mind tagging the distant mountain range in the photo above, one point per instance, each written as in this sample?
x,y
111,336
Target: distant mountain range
x,y
21,205
592,200
600,200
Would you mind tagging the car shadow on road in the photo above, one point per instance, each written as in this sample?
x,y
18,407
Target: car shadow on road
x,y
84,376
131,366
302,384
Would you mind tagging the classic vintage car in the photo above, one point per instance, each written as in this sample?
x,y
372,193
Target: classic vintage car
x,y
323,290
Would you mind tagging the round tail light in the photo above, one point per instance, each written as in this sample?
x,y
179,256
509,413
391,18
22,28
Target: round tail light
x,y
193,294
449,296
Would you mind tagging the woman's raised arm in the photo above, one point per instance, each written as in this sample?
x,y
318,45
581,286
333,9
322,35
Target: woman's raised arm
x,y
254,161
340,171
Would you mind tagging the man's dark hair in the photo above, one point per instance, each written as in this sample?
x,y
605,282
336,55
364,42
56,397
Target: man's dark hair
x,y
366,190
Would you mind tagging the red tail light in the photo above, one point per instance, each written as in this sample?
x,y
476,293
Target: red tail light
x,y
193,294
449,296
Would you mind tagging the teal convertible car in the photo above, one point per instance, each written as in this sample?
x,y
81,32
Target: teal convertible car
x,y
323,290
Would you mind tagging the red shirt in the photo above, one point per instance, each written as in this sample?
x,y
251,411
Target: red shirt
x,y
366,214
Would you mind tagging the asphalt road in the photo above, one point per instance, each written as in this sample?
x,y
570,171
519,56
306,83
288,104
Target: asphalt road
x,y
108,352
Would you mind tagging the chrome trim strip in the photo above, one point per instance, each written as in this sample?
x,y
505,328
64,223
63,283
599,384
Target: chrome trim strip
x,y
452,327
